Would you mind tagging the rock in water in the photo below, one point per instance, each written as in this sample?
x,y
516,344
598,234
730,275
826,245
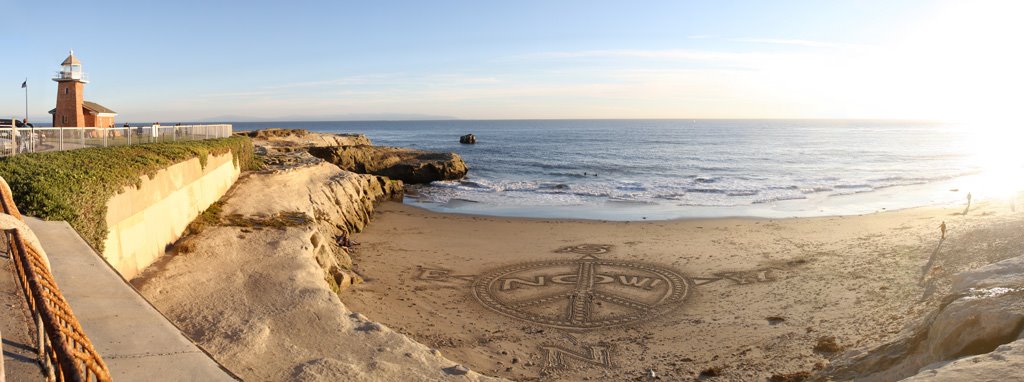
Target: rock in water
x,y
409,166
467,139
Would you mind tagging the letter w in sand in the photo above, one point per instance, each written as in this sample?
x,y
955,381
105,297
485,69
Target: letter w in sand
x,y
639,282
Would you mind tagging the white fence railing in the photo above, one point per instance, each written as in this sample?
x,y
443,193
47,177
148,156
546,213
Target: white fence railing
x,y
17,140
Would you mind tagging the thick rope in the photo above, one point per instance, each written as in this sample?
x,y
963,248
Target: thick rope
x,y
71,353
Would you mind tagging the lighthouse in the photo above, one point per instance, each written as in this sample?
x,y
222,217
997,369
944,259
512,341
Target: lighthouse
x,y
72,109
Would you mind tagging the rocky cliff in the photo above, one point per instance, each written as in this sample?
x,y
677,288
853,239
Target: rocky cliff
x,y
334,203
976,333
355,153
407,165
258,284
284,140
255,280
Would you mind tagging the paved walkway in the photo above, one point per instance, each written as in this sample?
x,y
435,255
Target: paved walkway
x,y
16,328
135,340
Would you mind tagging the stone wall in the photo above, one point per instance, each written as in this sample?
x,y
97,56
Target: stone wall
x,y
144,221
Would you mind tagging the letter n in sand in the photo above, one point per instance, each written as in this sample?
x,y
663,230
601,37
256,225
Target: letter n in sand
x,y
510,282
599,355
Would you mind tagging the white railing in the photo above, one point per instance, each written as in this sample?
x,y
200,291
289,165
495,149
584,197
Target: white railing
x,y
62,75
18,140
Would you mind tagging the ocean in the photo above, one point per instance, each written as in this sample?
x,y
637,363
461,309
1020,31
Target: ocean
x,y
667,169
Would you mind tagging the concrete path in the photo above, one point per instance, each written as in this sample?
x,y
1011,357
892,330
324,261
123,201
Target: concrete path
x,y
16,328
135,340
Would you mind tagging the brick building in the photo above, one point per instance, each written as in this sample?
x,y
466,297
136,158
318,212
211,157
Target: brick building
x,y
72,110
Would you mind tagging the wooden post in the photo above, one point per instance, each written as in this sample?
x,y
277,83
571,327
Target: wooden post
x,y
14,139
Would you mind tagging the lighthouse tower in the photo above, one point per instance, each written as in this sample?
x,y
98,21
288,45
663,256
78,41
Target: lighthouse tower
x,y
70,87
72,110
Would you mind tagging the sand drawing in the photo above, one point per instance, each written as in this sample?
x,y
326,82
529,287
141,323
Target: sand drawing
x,y
438,274
587,292
586,249
583,293
590,355
740,277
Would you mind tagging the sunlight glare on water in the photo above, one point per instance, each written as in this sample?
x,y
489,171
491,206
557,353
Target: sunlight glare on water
x,y
997,149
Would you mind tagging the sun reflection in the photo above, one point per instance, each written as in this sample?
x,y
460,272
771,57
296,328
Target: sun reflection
x,y
997,149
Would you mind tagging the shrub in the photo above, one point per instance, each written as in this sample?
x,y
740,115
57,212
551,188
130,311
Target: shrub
x,y
75,185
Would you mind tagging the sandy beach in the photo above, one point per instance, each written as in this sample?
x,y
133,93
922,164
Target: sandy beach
x,y
736,299
305,271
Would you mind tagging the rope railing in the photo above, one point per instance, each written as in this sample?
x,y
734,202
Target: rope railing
x,y
64,351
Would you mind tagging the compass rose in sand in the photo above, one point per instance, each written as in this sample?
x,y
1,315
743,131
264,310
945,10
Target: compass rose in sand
x,y
582,293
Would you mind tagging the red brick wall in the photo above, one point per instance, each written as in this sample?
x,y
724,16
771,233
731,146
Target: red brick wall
x,y
69,111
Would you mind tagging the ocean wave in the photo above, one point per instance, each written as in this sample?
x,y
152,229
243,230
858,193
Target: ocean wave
x,y
553,186
778,198
816,189
631,186
853,192
743,193
707,190
852,186
584,174
684,189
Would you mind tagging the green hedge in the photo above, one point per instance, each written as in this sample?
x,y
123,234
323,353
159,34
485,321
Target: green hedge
x,y
76,185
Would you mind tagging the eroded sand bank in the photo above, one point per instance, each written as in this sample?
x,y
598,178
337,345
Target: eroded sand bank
x,y
256,286
743,299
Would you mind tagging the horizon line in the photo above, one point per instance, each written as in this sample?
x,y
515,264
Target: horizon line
x,y
582,119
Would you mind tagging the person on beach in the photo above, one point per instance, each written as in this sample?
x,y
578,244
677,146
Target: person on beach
x,y
942,227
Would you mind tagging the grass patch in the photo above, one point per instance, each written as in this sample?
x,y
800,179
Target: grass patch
x,y
799,376
712,372
76,185
827,345
274,133
280,220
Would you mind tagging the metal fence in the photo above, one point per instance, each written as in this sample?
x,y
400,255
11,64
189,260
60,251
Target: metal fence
x,y
18,140
64,351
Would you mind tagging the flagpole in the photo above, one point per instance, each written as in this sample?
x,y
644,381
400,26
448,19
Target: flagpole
x,y
26,100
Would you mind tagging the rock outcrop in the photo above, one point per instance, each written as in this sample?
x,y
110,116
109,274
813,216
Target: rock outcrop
x,y
337,202
355,153
287,140
407,165
1003,364
977,330
467,139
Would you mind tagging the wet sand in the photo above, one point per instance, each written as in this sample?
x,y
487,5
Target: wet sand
x,y
743,299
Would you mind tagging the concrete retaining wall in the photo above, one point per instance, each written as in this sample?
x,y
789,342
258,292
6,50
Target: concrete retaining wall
x,y
143,221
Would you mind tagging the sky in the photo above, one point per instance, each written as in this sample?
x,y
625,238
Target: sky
x,y
212,60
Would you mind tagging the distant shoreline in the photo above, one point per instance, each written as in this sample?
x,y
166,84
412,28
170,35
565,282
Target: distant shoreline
x,y
897,198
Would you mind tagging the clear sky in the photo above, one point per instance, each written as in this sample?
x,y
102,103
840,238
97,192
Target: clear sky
x,y
200,60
